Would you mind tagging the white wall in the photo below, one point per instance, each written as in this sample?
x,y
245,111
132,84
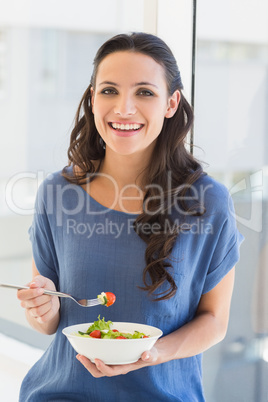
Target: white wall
x,y
233,20
82,15
175,27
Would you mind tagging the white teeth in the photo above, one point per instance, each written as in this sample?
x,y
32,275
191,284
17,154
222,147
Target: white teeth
x,y
126,127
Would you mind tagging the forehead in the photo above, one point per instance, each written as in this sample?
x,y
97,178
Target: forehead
x,y
131,66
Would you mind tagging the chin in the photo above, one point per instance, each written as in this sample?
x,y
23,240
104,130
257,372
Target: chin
x,y
124,150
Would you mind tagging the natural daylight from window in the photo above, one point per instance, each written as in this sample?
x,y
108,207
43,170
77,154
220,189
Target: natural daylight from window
x,y
45,65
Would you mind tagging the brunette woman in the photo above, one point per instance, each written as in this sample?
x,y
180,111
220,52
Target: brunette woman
x,y
132,213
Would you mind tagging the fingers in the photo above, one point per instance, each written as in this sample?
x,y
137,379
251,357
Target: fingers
x,y
150,356
91,367
99,369
111,371
43,313
40,281
27,294
40,306
37,304
32,297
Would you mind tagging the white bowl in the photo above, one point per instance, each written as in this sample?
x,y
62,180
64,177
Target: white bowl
x,y
113,351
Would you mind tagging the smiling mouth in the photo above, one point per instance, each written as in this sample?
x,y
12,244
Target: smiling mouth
x,y
126,127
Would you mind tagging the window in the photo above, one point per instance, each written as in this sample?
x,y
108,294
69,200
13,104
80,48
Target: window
x,y
3,62
45,65
231,130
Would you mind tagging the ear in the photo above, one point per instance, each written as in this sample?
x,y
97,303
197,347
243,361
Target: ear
x,y
92,99
173,103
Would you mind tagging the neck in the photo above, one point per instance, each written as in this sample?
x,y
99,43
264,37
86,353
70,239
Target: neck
x,y
124,169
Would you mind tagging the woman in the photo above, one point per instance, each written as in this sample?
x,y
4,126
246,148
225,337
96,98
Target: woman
x,y
132,213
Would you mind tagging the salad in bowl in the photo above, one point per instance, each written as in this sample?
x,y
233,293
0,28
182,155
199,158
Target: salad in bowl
x,y
112,342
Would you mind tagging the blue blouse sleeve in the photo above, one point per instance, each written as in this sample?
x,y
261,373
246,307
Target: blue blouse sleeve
x,y
226,249
41,237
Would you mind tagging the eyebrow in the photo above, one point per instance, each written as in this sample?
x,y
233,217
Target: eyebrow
x,y
135,85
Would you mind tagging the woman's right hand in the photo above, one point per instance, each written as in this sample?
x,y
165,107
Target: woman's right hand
x,y
40,308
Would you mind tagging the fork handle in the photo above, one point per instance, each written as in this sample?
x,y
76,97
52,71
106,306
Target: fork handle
x,y
55,293
46,291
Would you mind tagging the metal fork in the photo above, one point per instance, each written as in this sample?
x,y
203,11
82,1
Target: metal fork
x,y
83,302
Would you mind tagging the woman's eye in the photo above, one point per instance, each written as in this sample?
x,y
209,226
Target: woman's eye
x,y
145,92
108,91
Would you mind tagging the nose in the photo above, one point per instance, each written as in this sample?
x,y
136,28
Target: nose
x,y
125,105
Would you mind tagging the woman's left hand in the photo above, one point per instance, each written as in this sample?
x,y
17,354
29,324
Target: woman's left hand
x,y
99,369
206,329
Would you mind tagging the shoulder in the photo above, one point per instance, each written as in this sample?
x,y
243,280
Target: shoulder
x,y
54,187
53,181
207,199
56,178
212,187
212,194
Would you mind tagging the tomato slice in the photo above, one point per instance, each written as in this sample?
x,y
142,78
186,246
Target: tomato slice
x,y
95,334
120,337
110,298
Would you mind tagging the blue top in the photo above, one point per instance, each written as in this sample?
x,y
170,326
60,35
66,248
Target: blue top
x,y
85,248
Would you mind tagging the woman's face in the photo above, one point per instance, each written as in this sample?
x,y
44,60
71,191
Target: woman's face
x,y
130,101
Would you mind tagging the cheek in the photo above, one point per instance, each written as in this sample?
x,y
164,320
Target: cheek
x,y
98,113
98,124
156,112
158,120
92,102
100,110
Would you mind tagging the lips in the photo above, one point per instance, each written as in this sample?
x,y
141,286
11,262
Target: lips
x,y
125,130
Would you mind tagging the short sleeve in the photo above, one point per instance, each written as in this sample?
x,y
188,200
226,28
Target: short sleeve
x,y
41,237
226,250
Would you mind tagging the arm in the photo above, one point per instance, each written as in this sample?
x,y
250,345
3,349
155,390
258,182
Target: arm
x,y
208,327
42,311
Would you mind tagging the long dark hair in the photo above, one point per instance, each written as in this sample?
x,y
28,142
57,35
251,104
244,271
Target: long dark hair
x,y
170,160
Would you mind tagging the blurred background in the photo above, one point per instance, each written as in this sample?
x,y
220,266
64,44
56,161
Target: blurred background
x,y
46,54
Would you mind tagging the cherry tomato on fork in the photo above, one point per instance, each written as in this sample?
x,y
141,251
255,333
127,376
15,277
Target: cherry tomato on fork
x,y
107,298
110,298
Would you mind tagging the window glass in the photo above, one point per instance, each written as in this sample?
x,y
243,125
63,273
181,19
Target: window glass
x,y
46,60
3,61
231,137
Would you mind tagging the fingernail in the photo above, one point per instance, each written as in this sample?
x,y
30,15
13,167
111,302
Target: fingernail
x,y
146,357
97,364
